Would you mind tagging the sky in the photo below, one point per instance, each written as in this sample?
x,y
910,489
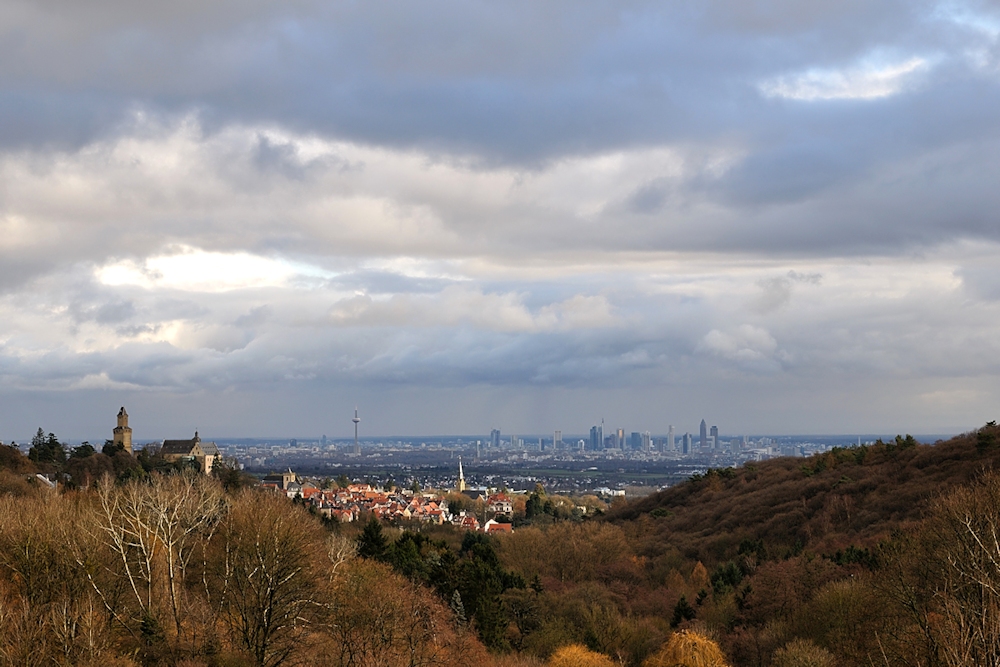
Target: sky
x,y
247,217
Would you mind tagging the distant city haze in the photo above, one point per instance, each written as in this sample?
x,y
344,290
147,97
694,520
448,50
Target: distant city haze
x,y
249,218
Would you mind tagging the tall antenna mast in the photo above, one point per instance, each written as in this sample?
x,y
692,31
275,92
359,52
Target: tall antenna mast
x,y
356,420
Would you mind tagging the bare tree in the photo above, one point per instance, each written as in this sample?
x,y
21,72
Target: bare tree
x,y
154,529
267,582
967,526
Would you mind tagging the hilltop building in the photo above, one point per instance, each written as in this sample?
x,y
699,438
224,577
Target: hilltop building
x,y
204,453
122,434
281,480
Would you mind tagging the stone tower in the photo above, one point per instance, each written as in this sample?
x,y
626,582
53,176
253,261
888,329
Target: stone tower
x,y
122,432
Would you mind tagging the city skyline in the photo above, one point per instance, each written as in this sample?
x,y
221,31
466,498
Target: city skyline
x,y
253,217
592,440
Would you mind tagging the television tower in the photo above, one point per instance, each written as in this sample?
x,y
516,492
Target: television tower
x,y
356,420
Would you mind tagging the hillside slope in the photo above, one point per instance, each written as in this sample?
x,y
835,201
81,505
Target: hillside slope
x,y
822,503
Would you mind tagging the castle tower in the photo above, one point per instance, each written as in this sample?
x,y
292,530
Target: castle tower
x,y
460,486
122,434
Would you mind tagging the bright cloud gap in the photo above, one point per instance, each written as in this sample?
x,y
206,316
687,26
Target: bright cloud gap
x,y
196,270
865,82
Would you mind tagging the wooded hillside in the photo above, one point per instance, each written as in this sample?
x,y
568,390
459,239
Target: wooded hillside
x,y
877,555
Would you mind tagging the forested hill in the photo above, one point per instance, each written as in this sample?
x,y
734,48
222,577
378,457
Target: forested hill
x,y
824,503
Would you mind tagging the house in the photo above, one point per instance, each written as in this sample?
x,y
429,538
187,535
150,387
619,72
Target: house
x,y
204,454
492,527
499,503
466,521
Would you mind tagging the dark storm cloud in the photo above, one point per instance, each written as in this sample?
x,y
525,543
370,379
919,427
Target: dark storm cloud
x,y
515,81
524,85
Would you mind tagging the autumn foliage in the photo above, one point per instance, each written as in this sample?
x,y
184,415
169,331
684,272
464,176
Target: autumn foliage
x,y
688,649
578,656
171,570
884,554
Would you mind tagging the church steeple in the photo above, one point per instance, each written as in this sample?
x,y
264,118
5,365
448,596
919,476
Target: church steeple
x,y
461,477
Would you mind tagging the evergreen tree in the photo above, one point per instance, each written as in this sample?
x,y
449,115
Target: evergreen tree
x,y
458,607
83,451
372,542
683,611
110,448
46,449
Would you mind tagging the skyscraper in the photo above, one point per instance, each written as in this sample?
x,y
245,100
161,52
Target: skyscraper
x,y
557,442
686,444
495,438
704,435
635,441
596,439
715,437
671,439
620,439
647,442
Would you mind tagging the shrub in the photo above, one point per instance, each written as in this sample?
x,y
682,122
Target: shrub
x,y
802,653
688,649
576,655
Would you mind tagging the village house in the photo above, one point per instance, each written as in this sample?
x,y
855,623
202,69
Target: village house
x,y
492,527
499,504
351,503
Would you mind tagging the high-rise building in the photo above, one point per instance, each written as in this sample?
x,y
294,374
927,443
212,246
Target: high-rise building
x,y
596,439
495,438
686,444
647,442
671,440
557,443
715,437
704,435
635,441
620,439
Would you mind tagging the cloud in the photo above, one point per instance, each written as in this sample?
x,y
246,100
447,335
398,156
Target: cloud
x,y
863,82
748,345
776,292
543,209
